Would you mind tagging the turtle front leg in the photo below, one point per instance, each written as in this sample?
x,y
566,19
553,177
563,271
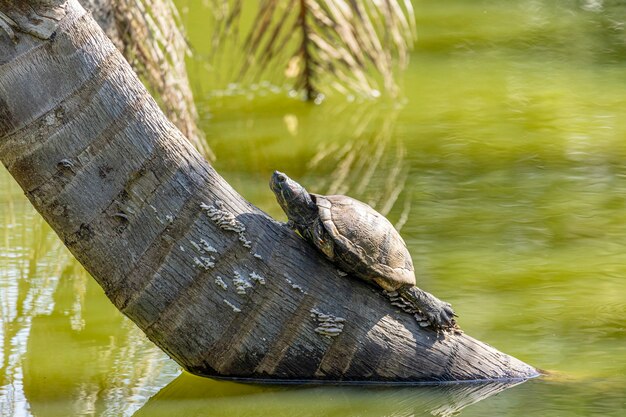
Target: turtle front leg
x,y
439,314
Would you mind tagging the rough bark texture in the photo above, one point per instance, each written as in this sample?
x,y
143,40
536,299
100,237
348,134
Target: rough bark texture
x,y
222,288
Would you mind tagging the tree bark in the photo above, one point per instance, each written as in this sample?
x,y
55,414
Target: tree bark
x,y
222,288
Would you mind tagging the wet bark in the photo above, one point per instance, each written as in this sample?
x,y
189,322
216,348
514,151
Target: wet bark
x,y
222,288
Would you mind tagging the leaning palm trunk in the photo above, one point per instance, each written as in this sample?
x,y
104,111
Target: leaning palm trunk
x,y
222,288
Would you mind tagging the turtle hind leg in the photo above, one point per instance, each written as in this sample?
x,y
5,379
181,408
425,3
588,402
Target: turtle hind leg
x,y
439,314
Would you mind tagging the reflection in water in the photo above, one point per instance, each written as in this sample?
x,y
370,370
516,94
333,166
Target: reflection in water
x,y
65,349
367,149
24,291
190,396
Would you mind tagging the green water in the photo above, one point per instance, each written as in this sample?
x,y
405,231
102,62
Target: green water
x,y
504,164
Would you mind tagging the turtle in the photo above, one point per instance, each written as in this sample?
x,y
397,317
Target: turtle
x,y
361,242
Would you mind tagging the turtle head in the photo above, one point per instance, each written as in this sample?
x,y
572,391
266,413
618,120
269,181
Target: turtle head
x,y
295,201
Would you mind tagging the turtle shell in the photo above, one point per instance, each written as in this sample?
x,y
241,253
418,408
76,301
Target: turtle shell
x,y
365,242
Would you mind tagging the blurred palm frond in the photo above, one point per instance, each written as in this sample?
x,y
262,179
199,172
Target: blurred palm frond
x,y
350,46
150,34
156,44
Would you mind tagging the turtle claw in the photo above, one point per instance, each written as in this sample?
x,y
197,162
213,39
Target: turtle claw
x,y
446,318
442,315
448,313
432,312
441,319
